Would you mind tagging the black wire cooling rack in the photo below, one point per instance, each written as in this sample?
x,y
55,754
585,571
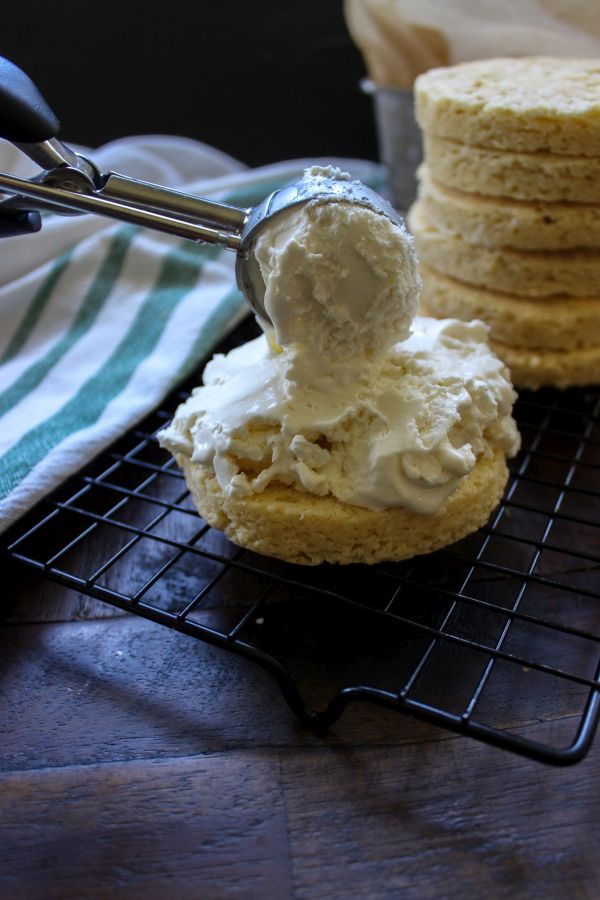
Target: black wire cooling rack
x,y
487,637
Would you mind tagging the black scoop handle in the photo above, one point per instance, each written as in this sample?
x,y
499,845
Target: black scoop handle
x,y
25,117
14,222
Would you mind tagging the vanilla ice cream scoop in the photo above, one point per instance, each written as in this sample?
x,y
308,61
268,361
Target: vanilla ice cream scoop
x,y
314,215
340,278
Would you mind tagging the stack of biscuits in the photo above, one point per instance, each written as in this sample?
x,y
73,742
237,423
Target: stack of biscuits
x,y
507,220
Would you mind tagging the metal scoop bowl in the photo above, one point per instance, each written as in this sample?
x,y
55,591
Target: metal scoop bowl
x,y
70,184
309,189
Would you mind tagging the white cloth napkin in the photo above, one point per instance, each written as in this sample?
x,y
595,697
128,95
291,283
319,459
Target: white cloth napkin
x,y
99,320
399,39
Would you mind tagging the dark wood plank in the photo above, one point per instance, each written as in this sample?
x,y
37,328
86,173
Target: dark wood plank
x,y
210,827
441,819
82,692
451,819
141,759
142,762
30,598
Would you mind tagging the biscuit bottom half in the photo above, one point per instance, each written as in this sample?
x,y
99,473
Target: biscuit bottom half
x,y
533,369
552,323
306,529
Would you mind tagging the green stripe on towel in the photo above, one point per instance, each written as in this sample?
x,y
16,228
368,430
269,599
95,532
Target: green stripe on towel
x,y
36,307
215,325
93,302
179,274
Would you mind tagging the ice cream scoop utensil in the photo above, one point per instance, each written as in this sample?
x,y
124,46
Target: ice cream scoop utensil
x,y
70,183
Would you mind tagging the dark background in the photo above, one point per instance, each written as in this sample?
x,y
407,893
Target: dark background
x,y
263,81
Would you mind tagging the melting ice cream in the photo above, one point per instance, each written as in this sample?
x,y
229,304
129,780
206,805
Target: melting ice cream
x,y
342,398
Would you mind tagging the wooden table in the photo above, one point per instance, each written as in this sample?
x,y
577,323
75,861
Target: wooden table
x,y
139,762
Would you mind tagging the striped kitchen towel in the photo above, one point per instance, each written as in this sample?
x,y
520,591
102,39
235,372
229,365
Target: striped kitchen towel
x,y
99,320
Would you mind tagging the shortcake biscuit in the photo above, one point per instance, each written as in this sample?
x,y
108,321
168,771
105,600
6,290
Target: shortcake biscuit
x,y
304,528
562,323
500,222
526,105
535,369
524,273
520,176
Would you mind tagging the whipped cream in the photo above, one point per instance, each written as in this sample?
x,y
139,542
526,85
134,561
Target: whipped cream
x,y
405,433
340,398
